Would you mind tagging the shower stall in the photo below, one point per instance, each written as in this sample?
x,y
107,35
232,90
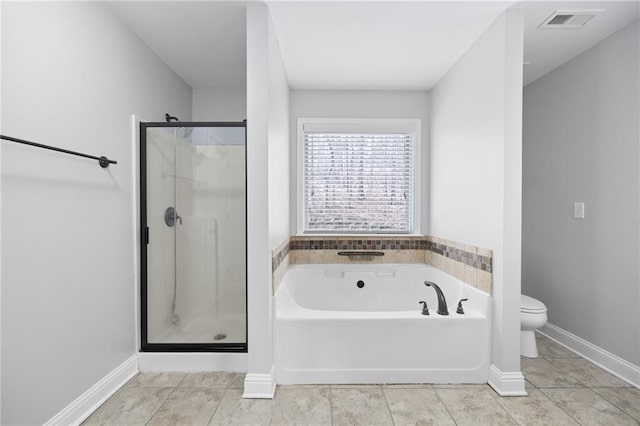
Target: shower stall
x,y
193,217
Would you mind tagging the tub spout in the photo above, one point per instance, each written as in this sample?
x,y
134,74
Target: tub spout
x,y
442,302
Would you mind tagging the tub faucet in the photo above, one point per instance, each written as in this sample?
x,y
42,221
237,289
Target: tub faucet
x,y
442,302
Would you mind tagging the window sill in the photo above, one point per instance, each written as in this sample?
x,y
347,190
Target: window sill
x,y
359,235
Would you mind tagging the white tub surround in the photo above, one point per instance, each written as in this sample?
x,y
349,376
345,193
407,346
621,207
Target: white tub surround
x,y
329,330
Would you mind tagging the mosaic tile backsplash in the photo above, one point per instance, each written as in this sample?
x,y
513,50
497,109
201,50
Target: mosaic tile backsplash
x,y
279,263
350,243
467,256
470,264
279,254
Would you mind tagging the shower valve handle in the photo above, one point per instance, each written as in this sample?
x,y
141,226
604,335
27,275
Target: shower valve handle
x,y
171,216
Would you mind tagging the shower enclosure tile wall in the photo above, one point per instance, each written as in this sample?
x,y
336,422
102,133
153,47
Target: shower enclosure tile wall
x,y
196,256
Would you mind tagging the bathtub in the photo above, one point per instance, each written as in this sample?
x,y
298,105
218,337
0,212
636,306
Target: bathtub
x,y
329,330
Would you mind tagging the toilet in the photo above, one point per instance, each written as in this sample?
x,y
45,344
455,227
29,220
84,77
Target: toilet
x,y
533,315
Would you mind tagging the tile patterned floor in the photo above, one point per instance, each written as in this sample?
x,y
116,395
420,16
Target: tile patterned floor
x,y
563,388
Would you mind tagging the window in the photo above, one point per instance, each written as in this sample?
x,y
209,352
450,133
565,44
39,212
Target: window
x,y
359,176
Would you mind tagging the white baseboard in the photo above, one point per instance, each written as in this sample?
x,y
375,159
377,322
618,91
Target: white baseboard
x,y
261,386
192,361
615,365
82,407
510,383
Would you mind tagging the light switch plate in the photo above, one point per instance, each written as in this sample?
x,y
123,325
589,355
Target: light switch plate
x,y
578,210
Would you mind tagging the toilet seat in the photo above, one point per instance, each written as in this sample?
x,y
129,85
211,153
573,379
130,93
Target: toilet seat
x,y
530,305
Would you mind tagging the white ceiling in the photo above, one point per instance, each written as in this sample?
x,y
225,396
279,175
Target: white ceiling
x,y
204,42
376,45
547,49
355,45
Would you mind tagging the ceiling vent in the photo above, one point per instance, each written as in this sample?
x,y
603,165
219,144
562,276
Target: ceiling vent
x,y
570,19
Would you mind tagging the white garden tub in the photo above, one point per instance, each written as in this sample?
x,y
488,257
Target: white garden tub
x,y
328,330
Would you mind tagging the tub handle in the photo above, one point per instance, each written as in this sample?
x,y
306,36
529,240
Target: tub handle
x,y
425,309
460,310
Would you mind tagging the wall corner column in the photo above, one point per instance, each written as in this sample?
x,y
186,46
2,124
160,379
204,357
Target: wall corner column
x,y
504,374
260,380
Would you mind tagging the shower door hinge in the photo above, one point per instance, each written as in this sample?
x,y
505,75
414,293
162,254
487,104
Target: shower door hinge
x,y
146,234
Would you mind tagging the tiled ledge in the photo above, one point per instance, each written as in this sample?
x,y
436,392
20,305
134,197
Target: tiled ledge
x,y
469,255
280,257
279,254
355,243
324,256
470,264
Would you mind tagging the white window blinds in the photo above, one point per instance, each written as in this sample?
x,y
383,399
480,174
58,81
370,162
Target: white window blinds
x,y
358,182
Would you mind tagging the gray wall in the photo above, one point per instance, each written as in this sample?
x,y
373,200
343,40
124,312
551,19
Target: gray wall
x,y
217,104
72,75
581,143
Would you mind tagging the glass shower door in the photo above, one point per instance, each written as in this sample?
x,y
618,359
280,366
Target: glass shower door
x,y
193,198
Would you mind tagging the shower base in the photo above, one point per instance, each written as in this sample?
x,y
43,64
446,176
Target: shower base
x,y
205,329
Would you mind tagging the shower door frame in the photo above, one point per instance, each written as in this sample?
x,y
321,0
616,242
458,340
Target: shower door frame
x,y
145,346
